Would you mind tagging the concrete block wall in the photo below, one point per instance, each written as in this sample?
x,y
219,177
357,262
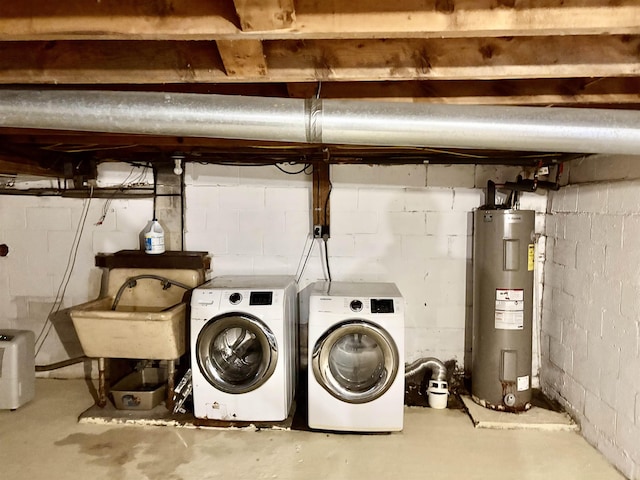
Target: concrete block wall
x,y
40,233
591,312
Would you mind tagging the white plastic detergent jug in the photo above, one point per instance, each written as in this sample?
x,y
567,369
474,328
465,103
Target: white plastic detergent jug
x,y
154,238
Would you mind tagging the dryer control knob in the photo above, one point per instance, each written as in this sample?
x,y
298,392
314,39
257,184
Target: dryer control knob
x,y
356,305
235,298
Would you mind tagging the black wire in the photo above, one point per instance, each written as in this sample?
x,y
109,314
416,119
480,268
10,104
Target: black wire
x,y
326,257
303,170
326,203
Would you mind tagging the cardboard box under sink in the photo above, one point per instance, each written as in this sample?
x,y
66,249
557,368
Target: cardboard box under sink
x,y
141,390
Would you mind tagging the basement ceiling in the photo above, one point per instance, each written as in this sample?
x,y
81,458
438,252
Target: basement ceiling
x,y
548,53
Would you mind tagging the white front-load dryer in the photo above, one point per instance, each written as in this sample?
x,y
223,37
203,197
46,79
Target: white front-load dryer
x,y
243,347
355,356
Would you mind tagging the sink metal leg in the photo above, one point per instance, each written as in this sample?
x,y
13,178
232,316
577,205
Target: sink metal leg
x,y
171,373
102,383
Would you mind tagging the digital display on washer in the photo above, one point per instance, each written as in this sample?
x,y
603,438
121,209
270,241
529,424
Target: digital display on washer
x,y
384,305
261,298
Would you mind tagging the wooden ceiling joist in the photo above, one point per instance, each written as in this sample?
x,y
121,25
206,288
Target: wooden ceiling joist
x,y
287,61
258,15
242,58
312,19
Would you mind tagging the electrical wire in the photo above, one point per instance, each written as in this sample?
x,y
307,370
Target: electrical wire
x,y
306,258
303,170
326,257
66,277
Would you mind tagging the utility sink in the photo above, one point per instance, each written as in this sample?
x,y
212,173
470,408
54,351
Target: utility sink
x,y
149,320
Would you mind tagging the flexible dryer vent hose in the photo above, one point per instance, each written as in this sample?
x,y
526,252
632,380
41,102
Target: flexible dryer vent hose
x,y
438,369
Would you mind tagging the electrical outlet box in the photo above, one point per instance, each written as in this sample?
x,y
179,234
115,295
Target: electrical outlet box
x,y
317,231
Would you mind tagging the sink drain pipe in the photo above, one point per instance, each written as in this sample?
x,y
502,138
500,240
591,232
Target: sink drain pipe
x,y
438,389
317,121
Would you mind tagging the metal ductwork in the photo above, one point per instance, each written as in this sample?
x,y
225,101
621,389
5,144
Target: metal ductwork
x,y
570,130
438,369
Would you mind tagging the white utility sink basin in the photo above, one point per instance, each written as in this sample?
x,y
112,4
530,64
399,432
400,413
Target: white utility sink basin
x,y
149,321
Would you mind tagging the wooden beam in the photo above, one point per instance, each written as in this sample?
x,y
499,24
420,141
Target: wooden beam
x,y
16,165
242,58
87,62
460,59
314,19
321,195
258,15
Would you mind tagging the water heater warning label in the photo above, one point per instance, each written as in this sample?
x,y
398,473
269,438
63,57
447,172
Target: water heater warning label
x,y
509,312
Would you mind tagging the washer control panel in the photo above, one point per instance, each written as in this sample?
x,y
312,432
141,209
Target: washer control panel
x,y
355,305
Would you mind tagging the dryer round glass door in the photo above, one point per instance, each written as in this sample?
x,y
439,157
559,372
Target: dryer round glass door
x,y
236,353
355,361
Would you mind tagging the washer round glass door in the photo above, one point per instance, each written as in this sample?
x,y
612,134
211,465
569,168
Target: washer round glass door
x,y
355,361
236,352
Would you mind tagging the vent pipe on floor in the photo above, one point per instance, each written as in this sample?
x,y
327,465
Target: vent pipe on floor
x,y
438,369
572,130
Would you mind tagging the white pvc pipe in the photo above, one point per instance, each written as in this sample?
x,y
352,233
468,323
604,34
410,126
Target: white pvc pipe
x,y
572,130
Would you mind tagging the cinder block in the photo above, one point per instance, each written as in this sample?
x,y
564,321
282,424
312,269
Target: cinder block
x,y
233,265
622,264
451,176
344,199
424,246
201,197
342,245
381,200
259,222
273,265
223,220
459,247
558,355
551,323
353,174
344,223
288,199
50,218
577,227
593,198
115,241
631,232
467,200
297,222
243,244
242,198
565,252
550,225
607,230
428,200
570,201
577,284
449,223
271,175
563,306
590,258
211,174
630,300
276,244
606,294
600,414
403,175
403,223
616,455
575,394
213,242
623,198
386,245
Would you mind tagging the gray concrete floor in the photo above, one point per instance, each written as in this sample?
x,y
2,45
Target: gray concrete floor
x,y
43,440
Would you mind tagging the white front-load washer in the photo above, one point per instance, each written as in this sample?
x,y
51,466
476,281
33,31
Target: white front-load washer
x,y
243,347
355,356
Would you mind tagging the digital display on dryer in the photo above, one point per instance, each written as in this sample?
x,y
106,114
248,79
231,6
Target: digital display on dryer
x,y
381,305
261,298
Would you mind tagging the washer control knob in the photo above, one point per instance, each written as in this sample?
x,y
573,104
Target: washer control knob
x,y
356,305
235,298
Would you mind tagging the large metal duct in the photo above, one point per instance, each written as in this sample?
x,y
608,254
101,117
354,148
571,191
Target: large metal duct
x,y
326,121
